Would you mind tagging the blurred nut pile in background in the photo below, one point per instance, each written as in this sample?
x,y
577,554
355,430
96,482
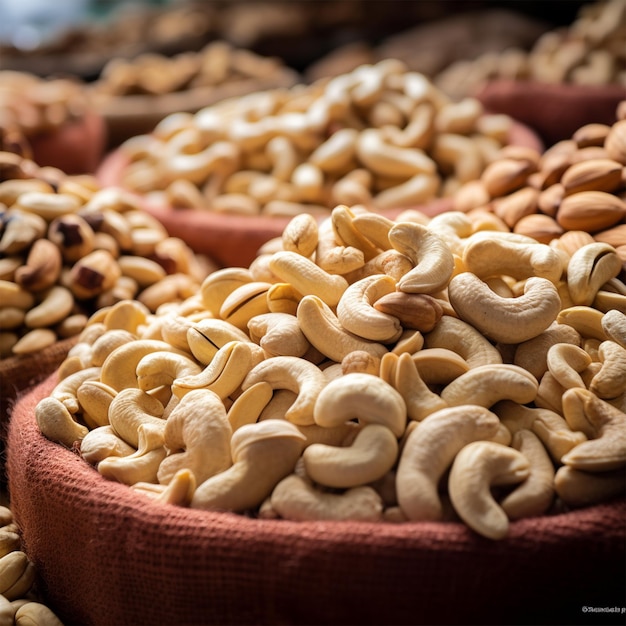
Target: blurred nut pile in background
x,y
68,247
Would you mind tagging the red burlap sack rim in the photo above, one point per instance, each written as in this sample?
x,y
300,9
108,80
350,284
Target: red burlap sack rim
x,y
108,555
554,111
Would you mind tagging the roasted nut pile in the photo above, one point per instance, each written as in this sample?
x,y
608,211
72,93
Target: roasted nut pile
x,y
380,136
591,51
218,63
19,603
68,247
33,105
576,188
363,368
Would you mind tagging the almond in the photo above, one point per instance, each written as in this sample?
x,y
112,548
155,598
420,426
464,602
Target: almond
x,y
471,195
591,135
591,211
505,176
550,199
615,236
593,175
541,227
516,205
615,143
572,240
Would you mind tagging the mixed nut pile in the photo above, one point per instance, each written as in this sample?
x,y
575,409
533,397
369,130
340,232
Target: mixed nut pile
x,y
367,368
19,602
380,136
69,247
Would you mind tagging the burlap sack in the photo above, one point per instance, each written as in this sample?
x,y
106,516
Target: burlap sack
x,y
554,111
106,555
18,373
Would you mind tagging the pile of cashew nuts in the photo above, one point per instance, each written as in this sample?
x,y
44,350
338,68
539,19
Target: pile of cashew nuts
x,y
19,602
218,63
577,186
380,136
590,51
423,368
69,247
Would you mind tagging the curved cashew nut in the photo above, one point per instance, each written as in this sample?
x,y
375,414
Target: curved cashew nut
x,y
140,466
297,499
439,366
307,277
536,494
56,305
65,391
263,454
225,373
432,259
163,368
107,342
589,268
244,303
565,362
208,336
324,331
94,399
119,369
614,326
295,374
283,298
462,338
56,422
342,221
507,320
126,315
579,488
300,235
219,284
248,406
532,354
606,448
554,432
374,227
477,467
485,385
401,372
103,442
390,262
610,381
356,313
42,268
487,256
429,451
370,456
279,334
585,320
130,409
364,397
197,436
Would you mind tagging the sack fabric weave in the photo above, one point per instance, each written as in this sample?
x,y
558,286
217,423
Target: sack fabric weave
x,y
107,555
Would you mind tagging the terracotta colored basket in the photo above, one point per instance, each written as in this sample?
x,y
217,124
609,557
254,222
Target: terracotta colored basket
x,y
77,147
19,373
553,111
107,555
233,240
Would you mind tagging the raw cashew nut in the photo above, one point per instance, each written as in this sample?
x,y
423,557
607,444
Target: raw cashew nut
x,y
295,374
325,333
614,325
356,313
485,385
56,422
197,435
461,337
364,397
429,451
507,320
103,442
579,488
477,467
370,456
206,337
432,259
603,423
278,334
295,498
565,362
159,368
263,454
589,268
140,466
610,381
130,409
